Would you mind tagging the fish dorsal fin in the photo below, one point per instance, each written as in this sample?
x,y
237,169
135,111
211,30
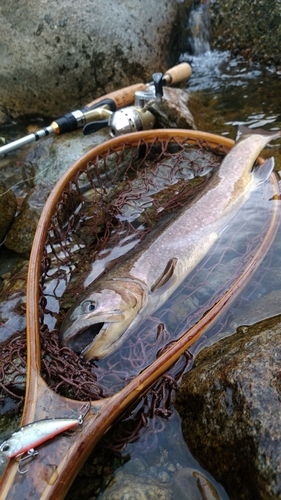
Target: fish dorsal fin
x,y
262,172
166,275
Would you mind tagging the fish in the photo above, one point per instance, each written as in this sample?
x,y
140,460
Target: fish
x,y
111,308
31,435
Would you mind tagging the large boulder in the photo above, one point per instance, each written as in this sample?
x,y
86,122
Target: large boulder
x,y
57,56
251,29
230,409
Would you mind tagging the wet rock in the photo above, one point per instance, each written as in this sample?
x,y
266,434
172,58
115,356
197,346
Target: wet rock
x,y
181,40
137,480
230,409
179,109
250,29
8,207
13,274
20,236
42,166
50,158
262,307
173,111
14,378
58,56
192,482
130,487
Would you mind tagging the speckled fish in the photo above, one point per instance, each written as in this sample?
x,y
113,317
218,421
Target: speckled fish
x,y
31,435
111,308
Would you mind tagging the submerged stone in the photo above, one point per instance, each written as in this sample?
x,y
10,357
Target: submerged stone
x,y
20,236
230,409
8,207
192,484
130,487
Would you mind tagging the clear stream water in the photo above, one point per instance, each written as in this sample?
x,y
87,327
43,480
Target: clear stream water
x,y
233,92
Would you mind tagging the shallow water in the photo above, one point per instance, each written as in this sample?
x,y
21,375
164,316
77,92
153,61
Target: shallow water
x,y
233,93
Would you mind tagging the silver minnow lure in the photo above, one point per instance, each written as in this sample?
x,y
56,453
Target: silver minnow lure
x,y
36,433
115,305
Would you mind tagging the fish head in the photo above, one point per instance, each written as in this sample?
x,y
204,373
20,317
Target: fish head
x,y
96,325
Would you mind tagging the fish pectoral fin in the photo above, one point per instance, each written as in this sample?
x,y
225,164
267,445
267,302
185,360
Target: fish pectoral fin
x,y
262,172
166,275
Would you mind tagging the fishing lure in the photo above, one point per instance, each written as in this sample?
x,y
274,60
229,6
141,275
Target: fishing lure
x,y
31,435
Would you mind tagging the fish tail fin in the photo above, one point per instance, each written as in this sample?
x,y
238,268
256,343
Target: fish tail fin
x,y
262,172
244,132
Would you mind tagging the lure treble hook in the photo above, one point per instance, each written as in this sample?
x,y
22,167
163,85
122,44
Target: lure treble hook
x,y
29,456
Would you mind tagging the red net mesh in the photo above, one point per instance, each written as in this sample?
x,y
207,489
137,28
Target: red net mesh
x,y
106,209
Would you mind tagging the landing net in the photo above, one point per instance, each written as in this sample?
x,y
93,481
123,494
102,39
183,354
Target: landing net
x,y
106,208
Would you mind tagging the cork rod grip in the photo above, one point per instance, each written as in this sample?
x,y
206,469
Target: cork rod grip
x,y
123,97
126,96
178,73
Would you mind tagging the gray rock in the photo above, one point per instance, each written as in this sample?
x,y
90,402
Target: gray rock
x,y
230,409
58,56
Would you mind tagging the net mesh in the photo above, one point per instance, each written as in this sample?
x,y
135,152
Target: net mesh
x,y
106,209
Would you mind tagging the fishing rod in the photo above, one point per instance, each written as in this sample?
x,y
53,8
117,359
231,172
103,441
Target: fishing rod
x,y
96,114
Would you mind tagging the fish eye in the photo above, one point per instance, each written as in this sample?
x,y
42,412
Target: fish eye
x,y
88,306
5,447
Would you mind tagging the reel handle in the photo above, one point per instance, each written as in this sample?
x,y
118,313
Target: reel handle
x,y
178,73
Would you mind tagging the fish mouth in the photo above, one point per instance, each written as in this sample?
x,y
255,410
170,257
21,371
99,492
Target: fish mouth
x,y
80,341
